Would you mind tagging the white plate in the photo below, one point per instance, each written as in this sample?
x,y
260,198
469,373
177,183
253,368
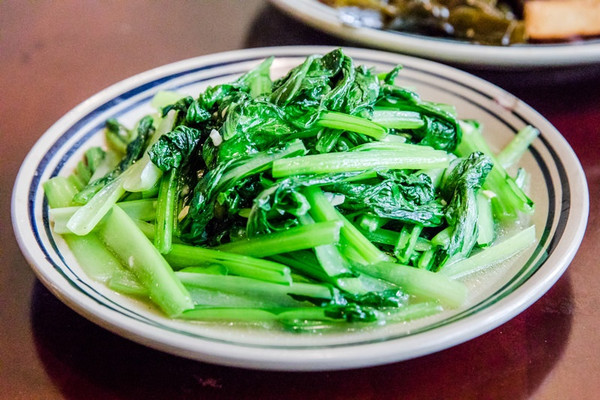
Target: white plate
x,y
559,190
325,18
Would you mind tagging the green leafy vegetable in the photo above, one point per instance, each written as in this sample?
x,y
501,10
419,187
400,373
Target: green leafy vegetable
x,y
328,197
134,151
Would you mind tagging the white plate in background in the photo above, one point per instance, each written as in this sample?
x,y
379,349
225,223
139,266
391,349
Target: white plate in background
x,y
325,18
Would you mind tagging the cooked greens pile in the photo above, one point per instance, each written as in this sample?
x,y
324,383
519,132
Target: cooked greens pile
x,y
327,196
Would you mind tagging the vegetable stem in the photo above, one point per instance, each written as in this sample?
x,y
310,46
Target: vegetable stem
x,y
397,119
145,174
322,210
352,123
419,282
358,161
182,255
517,146
165,210
293,239
120,233
242,285
509,199
491,255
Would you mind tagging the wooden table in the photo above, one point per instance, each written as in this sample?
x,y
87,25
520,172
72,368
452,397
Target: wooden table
x,y
53,55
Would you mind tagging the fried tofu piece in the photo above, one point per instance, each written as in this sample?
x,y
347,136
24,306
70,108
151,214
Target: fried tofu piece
x,y
561,19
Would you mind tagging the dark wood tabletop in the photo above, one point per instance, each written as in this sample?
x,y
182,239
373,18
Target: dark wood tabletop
x,y
55,54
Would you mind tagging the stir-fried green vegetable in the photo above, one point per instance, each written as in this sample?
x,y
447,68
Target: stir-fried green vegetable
x,y
328,196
